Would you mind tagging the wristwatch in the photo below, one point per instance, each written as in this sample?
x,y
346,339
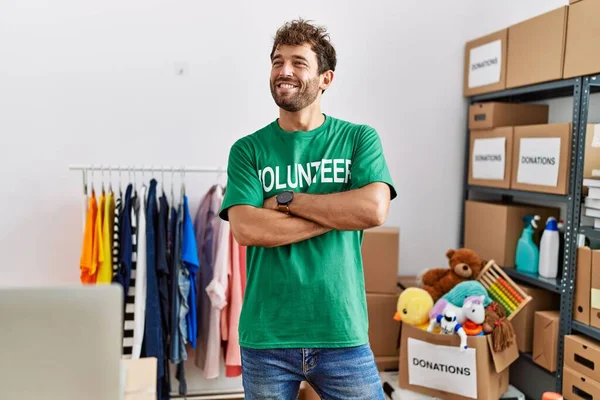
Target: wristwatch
x,y
283,201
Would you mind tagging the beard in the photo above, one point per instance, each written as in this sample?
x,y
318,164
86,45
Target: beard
x,y
304,96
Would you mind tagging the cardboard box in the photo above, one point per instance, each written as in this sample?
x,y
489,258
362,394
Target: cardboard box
x,y
591,164
433,364
583,356
583,286
542,158
595,291
545,339
383,329
492,229
573,1
536,49
490,157
380,252
579,387
387,363
523,323
491,115
485,64
583,34
140,378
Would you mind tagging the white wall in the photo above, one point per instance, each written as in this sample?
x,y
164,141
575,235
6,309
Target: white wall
x,y
84,82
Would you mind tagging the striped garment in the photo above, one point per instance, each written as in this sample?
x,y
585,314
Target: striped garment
x,y
129,326
116,253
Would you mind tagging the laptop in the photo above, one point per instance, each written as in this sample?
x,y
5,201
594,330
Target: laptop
x,y
61,343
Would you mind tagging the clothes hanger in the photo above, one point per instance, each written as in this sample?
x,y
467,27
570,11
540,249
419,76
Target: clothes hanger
x,y
102,175
120,183
85,183
110,188
182,182
172,191
92,180
162,179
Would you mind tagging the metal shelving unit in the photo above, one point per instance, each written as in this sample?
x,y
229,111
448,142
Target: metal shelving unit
x,y
579,90
586,330
553,285
590,232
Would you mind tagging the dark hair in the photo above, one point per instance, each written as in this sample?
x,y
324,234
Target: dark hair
x,y
299,32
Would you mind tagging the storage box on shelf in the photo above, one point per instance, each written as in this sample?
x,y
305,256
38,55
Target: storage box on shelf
x,y
490,163
581,372
541,158
491,127
485,64
524,322
591,165
583,286
434,364
545,343
536,49
490,115
583,36
492,229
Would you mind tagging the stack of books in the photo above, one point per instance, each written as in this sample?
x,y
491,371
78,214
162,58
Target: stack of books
x,y
592,200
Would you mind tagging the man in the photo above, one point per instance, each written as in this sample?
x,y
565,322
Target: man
x,y
300,192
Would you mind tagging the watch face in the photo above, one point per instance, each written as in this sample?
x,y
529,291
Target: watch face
x,y
284,197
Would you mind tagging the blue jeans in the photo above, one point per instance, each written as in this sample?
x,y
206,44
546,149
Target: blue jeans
x,y
344,373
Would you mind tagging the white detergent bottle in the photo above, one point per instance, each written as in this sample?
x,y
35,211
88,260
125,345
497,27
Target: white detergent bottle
x,y
549,249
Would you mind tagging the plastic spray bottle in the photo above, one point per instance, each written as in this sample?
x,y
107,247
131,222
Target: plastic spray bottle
x,y
528,255
549,250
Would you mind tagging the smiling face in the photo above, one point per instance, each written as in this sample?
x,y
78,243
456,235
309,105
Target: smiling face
x,y
295,80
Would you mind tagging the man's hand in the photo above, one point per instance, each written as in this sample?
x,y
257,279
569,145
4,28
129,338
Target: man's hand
x,y
252,226
358,209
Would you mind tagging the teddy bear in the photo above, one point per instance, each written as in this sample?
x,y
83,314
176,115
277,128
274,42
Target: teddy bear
x,y
464,264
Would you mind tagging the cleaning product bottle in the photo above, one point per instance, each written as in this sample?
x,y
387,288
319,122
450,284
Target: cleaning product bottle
x,y
528,255
549,249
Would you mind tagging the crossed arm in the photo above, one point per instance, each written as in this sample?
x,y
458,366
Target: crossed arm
x,y
311,215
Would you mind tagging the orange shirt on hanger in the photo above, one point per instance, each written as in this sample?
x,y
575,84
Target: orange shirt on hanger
x,y
86,260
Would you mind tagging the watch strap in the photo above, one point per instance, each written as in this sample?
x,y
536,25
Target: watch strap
x,y
284,208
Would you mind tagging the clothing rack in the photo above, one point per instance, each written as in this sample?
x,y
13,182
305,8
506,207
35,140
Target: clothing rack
x,y
85,168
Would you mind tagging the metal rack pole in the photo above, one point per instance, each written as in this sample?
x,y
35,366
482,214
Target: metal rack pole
x,y
152,168
580,109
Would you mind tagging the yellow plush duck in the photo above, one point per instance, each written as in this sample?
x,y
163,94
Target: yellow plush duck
x,y
413,307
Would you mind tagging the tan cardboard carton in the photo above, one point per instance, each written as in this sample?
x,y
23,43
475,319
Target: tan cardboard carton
x,y
485,64
426,366
523,323
541,158
595,292
583,286
536,49
383,329
591,165
490,157
545,342
583,34
489,115
380,252
583,356
577,386
492,229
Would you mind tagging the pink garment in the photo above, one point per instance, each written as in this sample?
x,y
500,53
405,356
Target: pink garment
x,y
217,290
206,225
233,358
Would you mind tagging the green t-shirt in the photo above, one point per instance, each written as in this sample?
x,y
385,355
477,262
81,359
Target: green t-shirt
x,y
309,294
